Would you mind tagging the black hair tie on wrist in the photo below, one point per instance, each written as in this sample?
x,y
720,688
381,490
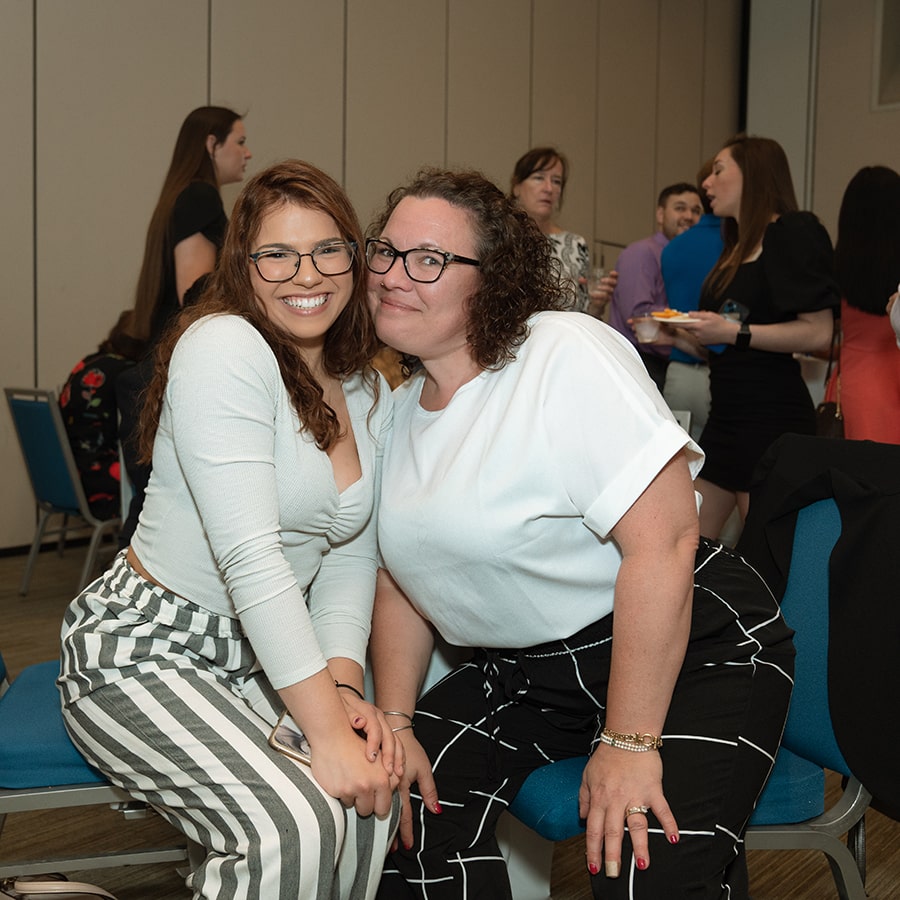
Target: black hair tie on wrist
x,y
349,687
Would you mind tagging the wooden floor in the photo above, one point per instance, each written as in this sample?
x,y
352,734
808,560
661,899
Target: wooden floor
x,y
29,629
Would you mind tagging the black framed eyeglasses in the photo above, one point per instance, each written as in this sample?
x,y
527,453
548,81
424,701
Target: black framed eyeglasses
x,y
282,263
422,264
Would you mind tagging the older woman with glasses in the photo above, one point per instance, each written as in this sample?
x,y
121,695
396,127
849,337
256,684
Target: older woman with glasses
x,y
534,484
247,590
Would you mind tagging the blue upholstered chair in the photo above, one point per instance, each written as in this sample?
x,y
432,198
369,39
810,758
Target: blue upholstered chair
x,y
791,812
54,477
41,769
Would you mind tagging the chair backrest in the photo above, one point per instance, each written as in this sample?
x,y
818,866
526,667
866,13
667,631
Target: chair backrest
x,y
48,454
809,731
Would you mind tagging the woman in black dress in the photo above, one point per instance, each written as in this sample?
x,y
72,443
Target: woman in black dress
x,y
772,294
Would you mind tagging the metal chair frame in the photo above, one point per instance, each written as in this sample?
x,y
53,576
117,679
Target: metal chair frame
x,y
13,800
54,476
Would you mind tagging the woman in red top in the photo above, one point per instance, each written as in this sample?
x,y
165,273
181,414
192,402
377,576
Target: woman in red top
x,y
867,266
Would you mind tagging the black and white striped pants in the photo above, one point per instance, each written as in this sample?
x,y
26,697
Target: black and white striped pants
x,y
492,721
167,700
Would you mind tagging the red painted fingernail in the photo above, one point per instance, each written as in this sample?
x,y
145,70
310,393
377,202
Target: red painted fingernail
x,y
641,863
437,808
408,846
673,838
593,868
358,721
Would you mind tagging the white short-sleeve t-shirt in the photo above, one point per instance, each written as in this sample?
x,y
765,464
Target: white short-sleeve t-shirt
x,y
496,510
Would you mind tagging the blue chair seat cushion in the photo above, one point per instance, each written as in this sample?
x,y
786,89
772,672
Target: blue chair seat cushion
x,y
35,749
548,800
794,792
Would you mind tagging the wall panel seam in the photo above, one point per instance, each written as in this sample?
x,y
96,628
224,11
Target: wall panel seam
x,y
209,48
346,94
34,195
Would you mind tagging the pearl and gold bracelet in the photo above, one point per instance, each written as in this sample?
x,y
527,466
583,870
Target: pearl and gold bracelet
x,y
636,743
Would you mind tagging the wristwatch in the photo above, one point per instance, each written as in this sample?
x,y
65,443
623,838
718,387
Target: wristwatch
x,y
742,340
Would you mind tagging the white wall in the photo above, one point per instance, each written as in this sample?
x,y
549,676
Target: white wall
x,y
812,71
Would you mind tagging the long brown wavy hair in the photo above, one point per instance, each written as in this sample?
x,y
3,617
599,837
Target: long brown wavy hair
x,y
190,162
519,275
767,191
350,343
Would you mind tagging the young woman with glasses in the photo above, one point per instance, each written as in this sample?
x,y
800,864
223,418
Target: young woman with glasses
x,y
247,588
536,482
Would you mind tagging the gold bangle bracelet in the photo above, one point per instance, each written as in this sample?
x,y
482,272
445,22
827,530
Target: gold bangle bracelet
x,y
636,742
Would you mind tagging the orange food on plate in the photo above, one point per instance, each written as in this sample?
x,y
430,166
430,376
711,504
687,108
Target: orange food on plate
x,y
666,313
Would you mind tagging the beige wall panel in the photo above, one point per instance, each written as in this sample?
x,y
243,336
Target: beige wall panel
x,y
780,80
849,133
396,95
16,258
626,103
114,82
721,74
564,99
284,68
679,121
489,85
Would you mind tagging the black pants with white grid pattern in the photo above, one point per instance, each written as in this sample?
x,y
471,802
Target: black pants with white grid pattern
x,y
491,722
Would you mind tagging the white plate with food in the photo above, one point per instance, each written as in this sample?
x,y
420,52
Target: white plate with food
x,y
672,317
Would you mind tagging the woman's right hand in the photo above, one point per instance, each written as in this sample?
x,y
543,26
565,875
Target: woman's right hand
x,y
417,769
343,771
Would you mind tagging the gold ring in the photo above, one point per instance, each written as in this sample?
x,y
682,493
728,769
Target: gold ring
x,y
633,810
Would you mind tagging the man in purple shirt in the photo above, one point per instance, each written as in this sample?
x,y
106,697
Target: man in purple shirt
x,y
640,289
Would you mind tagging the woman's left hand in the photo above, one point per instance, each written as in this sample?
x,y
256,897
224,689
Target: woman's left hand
x,y
370,720
711,328
615,781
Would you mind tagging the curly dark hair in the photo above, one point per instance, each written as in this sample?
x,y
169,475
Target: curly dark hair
x,y
350,343
519,275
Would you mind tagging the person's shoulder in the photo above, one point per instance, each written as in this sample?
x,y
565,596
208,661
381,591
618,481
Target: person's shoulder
x,y
797,239
199,191
640,251
642,245
198,203
225,334
567,237
553,331
801,225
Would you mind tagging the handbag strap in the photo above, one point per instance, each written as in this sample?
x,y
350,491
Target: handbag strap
x,y
47,888
835,331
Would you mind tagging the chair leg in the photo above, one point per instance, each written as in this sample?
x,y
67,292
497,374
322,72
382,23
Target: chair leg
x,y
856,841
61,541
845,873
35,549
